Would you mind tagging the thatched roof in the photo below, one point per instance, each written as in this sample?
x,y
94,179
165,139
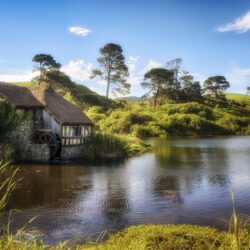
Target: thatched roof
x,y
63,111
19,97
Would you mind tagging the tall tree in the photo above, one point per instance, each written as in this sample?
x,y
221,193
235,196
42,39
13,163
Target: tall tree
x,y
174,65
159,81
113,68
191,90
45,63
216,85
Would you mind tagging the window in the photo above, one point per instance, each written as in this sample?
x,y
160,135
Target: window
x,y
77,131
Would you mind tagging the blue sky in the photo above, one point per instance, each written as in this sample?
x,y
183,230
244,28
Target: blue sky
x,y
212,37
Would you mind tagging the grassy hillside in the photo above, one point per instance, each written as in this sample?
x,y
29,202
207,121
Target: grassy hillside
x,y
78,94
140,120
238,97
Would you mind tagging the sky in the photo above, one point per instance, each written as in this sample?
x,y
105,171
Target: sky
x,y
212,37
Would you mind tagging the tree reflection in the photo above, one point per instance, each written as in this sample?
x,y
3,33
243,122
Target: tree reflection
x,y
168,187
52,186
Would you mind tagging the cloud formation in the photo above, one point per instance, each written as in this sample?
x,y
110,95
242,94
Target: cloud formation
x,y
240,25
79,31
239,79
23,76
78,70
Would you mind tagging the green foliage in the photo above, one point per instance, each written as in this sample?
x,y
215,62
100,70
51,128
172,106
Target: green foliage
x,y
78,94
113,68
45,63
160,83
9,120
105,145
216,85
169,83
240,98
143,121
168,237
100,145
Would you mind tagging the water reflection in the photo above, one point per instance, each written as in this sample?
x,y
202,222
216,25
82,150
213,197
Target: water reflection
x,y
168,187
183,181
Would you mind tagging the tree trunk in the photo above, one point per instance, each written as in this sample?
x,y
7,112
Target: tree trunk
x,y
40,77
108,81
216,94
107,91
155,99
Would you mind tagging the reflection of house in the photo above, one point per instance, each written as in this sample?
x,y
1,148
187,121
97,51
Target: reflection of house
x,y
58,123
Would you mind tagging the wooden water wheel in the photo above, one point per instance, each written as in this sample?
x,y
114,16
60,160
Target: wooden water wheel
x,y
51,140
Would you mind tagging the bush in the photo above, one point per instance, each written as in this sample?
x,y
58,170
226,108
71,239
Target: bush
x,y
9,120
100,145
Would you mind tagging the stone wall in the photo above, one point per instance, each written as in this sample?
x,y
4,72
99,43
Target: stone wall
x,y
35,153
23,134
72,152
27,150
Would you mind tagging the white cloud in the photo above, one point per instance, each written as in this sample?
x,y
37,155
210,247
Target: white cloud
x,y
153,64
23,76
136,74
239,79
199,77
78,70
132,62
241,24
79,31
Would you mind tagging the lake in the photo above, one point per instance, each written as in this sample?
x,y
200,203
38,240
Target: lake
x,y
182,181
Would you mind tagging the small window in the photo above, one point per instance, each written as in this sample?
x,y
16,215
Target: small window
x,y
77,131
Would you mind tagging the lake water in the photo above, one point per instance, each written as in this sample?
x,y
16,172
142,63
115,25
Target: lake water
x,y
182,181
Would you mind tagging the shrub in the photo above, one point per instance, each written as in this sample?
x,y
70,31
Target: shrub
x,y
100,145
9,120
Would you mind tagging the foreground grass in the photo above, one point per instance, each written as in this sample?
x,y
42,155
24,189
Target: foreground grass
x,y
178,237
158,237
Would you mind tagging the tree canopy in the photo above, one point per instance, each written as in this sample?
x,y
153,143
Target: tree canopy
x,y
158,81
113,69
44,63
216,85
171,83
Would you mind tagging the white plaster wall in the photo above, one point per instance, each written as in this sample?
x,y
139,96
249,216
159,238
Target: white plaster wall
x,y
50,123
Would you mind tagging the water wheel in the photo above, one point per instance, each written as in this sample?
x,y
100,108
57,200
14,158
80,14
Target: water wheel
x,y
51,140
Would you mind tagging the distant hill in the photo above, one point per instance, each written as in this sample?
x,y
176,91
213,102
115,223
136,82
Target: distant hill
x,y
79,94
129,98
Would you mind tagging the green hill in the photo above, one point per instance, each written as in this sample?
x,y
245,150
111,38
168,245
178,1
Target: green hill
x,y
78,94
238,97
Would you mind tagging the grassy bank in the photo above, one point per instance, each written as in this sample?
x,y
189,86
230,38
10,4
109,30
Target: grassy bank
x,y
158,237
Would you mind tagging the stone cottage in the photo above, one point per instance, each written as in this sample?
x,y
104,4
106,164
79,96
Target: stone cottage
x,y
57,128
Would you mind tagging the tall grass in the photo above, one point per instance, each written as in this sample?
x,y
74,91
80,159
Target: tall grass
x,y
239,228
100,145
